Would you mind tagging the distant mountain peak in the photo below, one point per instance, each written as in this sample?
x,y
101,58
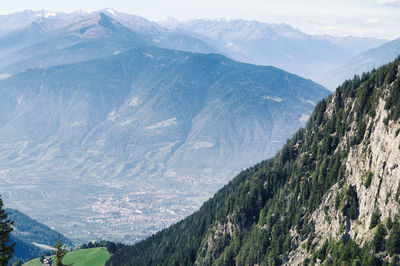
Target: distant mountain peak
x,y
107,21
237,29
98,24
109,11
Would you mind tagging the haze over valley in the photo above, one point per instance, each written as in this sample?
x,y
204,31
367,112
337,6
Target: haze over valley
x,y
114,127
123,138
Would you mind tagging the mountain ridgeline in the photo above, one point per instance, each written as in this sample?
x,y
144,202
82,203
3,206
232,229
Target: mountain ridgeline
x,y
77,37
278,45
118,132
364,62
148,133
41,39
330,196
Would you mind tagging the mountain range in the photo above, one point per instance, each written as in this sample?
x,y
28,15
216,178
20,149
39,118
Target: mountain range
x,y
45,42
279,45
319,57
104,135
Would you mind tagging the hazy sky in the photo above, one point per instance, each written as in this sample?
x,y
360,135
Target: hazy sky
x,y
380,18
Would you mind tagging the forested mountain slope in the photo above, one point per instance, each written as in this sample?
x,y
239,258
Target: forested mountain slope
x,y
330,196
32,239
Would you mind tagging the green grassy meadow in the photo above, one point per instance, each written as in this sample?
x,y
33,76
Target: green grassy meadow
x,y
80,257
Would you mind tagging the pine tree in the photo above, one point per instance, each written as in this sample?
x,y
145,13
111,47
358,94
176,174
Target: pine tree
x,y
6,247
60,252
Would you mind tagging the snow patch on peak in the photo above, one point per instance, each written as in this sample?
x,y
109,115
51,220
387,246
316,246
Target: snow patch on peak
x,y
46,14
111,11
80,12
49,14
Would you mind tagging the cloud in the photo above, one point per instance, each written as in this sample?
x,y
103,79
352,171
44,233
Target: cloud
x,y
388,2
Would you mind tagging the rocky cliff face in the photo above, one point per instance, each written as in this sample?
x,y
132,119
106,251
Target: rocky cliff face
x,y
372,176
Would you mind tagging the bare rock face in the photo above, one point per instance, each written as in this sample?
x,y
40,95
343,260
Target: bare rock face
x,y
371,185
380,155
